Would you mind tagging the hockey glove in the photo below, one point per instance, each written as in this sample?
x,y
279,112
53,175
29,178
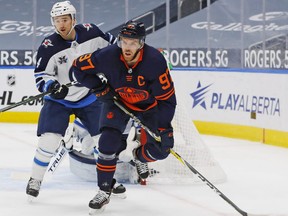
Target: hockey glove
x,y
57,90
167,140
88,80
104,93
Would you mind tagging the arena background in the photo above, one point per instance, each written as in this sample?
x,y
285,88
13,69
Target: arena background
x,y
229,57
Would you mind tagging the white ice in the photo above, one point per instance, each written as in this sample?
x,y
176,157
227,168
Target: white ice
x,y
257,183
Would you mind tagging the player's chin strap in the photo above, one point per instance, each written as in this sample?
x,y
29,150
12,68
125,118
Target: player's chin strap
x,y
72,27
136,53
32,98
189,166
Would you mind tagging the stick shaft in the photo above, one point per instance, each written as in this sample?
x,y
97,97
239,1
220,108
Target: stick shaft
x,y
24,101
57,159
207,182
178,157
125,110
30,99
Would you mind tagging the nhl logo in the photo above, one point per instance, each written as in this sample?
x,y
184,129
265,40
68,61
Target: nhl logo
x,y
11,80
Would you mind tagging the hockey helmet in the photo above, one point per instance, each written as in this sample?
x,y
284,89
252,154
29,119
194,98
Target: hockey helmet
x,y
133,29
63,8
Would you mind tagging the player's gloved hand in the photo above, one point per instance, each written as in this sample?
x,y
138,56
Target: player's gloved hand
x,y
84,79
167,140
104,93
57,90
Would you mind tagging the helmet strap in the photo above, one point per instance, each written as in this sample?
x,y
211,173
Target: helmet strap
x,y
136,53
141,46
72,27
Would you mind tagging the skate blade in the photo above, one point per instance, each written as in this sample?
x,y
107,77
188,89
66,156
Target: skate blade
x,y
30,198
96,211
142,181
119,196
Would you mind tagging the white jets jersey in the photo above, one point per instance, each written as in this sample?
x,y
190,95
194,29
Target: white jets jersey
x,y
55,57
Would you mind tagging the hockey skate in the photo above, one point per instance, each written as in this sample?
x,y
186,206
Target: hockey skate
x,y
118,191
142,170
99,202
32,189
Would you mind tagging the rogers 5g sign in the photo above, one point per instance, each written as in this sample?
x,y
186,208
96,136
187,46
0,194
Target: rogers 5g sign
x,y
198,57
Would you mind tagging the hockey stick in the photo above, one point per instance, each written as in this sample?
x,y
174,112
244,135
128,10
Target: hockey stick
x,y
176,155
31,99
57,158
66,145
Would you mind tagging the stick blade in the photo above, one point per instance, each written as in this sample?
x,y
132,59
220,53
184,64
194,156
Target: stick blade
x,y
267,214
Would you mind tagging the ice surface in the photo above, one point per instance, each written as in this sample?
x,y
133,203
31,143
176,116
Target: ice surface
x,y
257,183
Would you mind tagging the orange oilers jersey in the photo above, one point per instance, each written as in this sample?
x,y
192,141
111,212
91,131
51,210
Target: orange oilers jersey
x,y
141,86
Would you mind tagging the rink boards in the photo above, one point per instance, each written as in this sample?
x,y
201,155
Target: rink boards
x,y
249,104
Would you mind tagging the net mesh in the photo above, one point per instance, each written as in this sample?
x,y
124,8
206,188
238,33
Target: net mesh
x,y
191,147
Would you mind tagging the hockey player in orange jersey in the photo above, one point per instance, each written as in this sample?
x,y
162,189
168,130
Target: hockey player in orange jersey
x,y
137,74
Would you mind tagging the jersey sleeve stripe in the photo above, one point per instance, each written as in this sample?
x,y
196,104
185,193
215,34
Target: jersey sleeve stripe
x,y
145,156
166,96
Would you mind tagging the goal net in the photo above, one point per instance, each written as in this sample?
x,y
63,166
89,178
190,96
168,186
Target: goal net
x,y
192,148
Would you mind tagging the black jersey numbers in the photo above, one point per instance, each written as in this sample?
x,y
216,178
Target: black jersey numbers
x,y
165,81
85,62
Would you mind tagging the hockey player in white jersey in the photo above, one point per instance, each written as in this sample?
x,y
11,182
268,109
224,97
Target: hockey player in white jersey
x,y
54,58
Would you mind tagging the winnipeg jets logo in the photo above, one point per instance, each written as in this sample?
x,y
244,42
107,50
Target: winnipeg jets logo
x,y
62,59
47,43
87,26
198,95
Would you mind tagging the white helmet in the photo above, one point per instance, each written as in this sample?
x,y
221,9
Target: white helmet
x,y
62,8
